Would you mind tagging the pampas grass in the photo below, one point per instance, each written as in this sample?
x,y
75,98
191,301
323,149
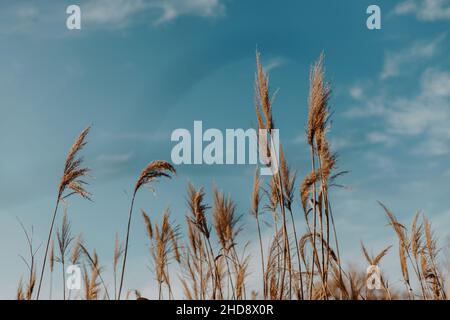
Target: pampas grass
x,y
209,259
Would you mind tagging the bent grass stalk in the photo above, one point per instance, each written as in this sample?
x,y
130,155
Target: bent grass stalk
x,y
72,179
150,173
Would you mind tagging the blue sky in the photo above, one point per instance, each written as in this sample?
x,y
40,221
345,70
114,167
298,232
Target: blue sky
x,y
140,69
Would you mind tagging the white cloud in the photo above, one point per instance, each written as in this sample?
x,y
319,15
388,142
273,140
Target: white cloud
x,y
118,13
340,143
299,140
405,7
111,11
175,8
154,136
274,63
436,83
432,147
374,106
26,12
19,18
428,112
395,61
424,116
115,158
425,10
380,161
381,138
26,18
356,92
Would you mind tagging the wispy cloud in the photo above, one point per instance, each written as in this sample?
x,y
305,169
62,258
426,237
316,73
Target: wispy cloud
x,y
432,147
175,8
27,17
380,161
339,143
274,63
115,158
119,13
356,92
154,137
377,137
436,83
425,10
19,18
27,11
427,112
424,116
112,12
395,62
373,106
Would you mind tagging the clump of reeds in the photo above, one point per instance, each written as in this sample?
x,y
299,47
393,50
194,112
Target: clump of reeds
x,y
272,275
418,250
266,146
200,259
195,278
92,283
163,248
212,263
314,190
227,229
207,273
